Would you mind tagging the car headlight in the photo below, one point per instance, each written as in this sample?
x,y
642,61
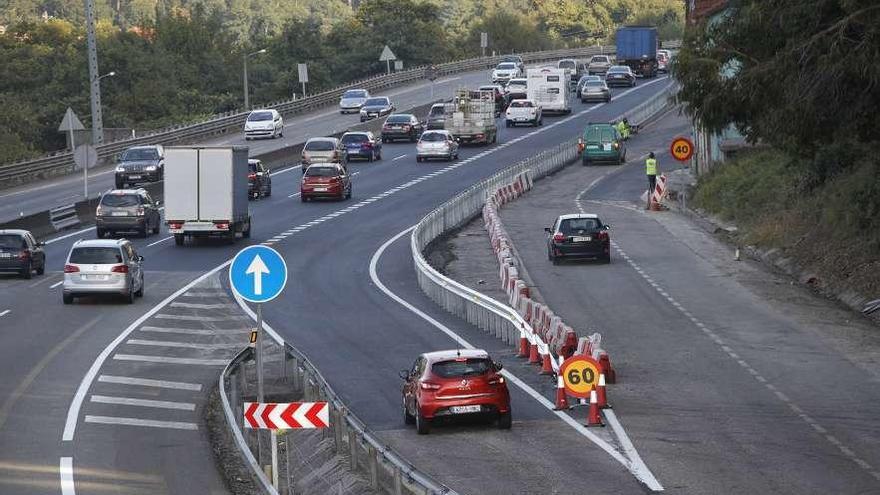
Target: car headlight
x,y
120,169
150,168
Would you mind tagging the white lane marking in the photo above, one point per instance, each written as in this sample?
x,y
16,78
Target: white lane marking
x,y
56,284
171,360
66,471
197,318
638,465
183,345
76,403
129,401
294,195
193,331
397,158
735,357
146,382
608,448
5,312
160,241
201,306
66,236
149,423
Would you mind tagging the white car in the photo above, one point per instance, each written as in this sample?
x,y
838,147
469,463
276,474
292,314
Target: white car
x,y
263,123
436,144
523,112
352,100
103,267
505,71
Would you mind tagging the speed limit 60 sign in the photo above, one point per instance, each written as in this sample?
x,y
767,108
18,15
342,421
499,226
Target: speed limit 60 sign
x,y
682,149
579,375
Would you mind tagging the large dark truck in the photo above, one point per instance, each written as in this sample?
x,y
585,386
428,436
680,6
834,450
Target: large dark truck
x,y
637,49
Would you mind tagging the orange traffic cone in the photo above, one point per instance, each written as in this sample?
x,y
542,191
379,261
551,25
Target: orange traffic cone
x,y
607,369
523,347
594,418
601,396
533,354
561,398
546,367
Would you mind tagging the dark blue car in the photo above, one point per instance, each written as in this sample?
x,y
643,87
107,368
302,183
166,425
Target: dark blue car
x,y
362,145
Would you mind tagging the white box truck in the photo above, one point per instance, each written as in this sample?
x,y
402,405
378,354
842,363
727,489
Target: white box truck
x,y
470,118
206,192
549,88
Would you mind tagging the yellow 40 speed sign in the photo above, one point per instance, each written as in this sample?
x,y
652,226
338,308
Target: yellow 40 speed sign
x,y
579,375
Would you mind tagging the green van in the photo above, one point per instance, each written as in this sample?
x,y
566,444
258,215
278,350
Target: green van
x,y
601,143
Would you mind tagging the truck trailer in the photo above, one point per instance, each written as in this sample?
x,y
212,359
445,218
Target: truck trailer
x,y
470,117
206,192
637,49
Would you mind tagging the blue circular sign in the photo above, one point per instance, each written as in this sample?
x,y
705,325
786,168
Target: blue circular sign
x,y
258,274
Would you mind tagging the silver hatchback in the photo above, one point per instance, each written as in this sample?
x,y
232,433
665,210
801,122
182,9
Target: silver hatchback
x,y
100,267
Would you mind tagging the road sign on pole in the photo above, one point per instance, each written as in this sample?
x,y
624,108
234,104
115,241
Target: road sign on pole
x,y
284,416
398,65
258,274
682,149
484,42
71,123
579,375
85,156
387,56
303,72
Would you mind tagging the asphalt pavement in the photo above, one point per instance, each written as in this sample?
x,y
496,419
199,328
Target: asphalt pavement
x,y
56,411
731,378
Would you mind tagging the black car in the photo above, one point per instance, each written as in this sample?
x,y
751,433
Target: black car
x,y
376,107
127,210
578,236
402,126
20,253
140,164
259,180
620,75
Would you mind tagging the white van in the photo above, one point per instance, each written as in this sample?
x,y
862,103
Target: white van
x,y
549,88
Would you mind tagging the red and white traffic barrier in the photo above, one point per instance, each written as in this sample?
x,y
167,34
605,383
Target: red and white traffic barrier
x,y
283,416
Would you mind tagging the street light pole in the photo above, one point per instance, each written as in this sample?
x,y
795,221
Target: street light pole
x,y
97,120
247,104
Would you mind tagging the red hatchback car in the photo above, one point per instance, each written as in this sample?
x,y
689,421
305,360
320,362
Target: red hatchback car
x,y
457,383
325,180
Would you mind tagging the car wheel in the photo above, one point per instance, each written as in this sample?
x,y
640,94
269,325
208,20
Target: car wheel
x,y
606,259
407,417
247,138
371,158
143,231
178,239
423,425
505,421
418,159
42,269
27,273
140,292
120,184
246,234
156,228
449,157
379,155
67,298
303,198
129,299
506,123
269,191
585,162
348,194
100,233
555,260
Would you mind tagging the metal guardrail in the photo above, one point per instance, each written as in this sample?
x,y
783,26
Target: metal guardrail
x,y
62,162
492,316
63,217
384,469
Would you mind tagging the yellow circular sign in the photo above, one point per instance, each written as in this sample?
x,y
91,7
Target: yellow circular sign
x,y
682,149
579,375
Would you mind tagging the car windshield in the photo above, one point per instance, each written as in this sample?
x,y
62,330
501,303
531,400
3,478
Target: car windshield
x,y
399,119
461,367
433,137
573,226
376,102
599,60
567,64
354,138
355,93
120,200
436,111
322,172
140,154
521,104
11,241
586,79
319,145
259,116
506,66
96,255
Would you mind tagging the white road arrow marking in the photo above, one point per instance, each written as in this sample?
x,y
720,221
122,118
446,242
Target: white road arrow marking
x,y
258,268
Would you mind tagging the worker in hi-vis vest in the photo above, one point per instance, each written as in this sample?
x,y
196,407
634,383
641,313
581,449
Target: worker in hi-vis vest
x,y
651,171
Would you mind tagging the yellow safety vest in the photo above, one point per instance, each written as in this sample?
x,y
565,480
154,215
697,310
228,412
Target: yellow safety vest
x,y
651,166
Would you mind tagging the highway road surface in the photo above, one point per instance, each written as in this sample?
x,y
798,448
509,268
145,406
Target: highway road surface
x,y
731,378
102,396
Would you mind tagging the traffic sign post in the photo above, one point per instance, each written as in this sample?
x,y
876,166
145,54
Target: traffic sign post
x,y
303,73
258,274
580,374
484,42
681,148
71,123
387,56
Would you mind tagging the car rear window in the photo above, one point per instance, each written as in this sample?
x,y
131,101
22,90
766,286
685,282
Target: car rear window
x,y
567,64
600,135
399,119
461,367
11,241
433,137
600,60
521,104
96,255
578,225
120,200
354,138
436,111
321,172
320,145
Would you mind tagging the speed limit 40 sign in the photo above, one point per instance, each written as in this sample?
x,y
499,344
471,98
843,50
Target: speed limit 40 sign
x,y
682,149
579,375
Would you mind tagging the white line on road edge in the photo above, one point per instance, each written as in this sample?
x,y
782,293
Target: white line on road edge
x,y
159,241
66,470
5,312
638,465
146,382
56,284
398,158
644,476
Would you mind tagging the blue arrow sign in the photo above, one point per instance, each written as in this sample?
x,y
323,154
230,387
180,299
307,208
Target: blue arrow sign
x,y
258,274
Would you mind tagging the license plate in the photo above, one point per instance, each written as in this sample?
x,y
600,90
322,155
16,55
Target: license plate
x,y
521,119
120,213
464,409
5,255
606,147
592,147
134,176
581,239
320,189
94,277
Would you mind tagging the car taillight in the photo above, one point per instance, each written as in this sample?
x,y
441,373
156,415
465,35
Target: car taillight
x,y
119,269
221,225
71,268
140,211
252,176
175,225
602,236
429,386
99,211
496,381
559,238
616,145
24,254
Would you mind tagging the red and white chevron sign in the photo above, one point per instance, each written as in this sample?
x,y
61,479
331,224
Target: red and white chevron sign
x,y
283,416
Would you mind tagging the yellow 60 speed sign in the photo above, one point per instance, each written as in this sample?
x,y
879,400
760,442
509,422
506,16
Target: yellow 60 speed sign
x,y
579,375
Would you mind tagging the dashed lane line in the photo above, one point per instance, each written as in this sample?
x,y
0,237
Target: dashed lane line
x,y
129,401
193,331
197,318
171,360
149,423
202,306
184,345
146,382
